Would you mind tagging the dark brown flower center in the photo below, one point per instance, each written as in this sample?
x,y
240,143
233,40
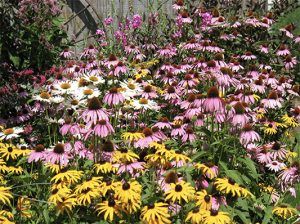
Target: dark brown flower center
x,y
178,188
59,148
213,92
39,148
147,132
126,186
94,104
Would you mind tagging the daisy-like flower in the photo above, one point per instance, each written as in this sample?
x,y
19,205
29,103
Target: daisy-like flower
x,y
67,176
248,135
275,166
87,93
180,192
209,169
11,133
145,104
104,167
289,121
264,48
156,213
37,154
103,128
213,102
9,151
203,200
5,195
216,217
149,138
273,101
282,50
290,62
86,195
132,136
124,155
64,87
179,4
271,127
128,191
248,56
58,154
230,186
43,97
94,113
109,209
284,211
195,216
67,204
58,194
239,118
130,89
113,97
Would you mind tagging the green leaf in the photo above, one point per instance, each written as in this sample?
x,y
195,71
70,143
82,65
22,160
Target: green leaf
x,y
46,216
268,215
250,165
244,216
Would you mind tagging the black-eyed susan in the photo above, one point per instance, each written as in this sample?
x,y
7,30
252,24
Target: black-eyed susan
x,y
128,191
109,209
229,186
271,128
132,136
179,192
5,195
284,211
58,194
5,217
104,167
66,204
124,155
155,213
132,206
54,168
85,197
15,170
178,157
107,186
208,170
68,176
3,167
289,121
216,217
9,151
23,207
203,200
195,216
92,183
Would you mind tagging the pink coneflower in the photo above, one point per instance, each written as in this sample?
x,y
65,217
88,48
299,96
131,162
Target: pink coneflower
x,y
290,174
258,86
171,93
112,61
113,97
235,66
133,168
191,45
188,102
264,48
91,51
58,155
200,120
275,166
94,112
271,80
163,123
184,17
167,52
248,135
158,134
213,102
278,151
211,66
178,130
290,62
188,81
119,69
178,69
219,60
264,156
66,53
287,30
248,56
149,92
273,101
147,140
201,63
103,128
179,4
189,135
282,50
192,112
169,78
37,154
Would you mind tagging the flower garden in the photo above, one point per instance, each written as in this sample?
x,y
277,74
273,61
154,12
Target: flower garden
x,y
195,123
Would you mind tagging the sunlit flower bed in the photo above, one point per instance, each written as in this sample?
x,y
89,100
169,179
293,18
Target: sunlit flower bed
x,y
199,130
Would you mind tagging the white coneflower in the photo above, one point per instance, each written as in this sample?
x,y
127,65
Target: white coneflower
x,y
144,103
10,133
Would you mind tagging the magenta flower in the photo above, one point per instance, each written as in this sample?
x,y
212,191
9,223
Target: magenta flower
x,y
163,123
113,97
58,155
37,154
94,113
103,128
213,102
248,135
189,135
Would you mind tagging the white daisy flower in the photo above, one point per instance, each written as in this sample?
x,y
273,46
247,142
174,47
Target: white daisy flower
x,y
10,133
144,104
64,87
43,97
93,78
